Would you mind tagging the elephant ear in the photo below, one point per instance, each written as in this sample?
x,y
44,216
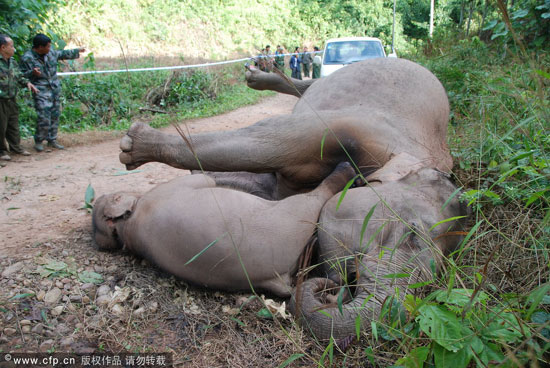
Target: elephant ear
x,y
397,168
121,204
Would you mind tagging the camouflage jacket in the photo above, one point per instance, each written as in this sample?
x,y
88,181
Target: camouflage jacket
x,y
279,58
47,65
11,78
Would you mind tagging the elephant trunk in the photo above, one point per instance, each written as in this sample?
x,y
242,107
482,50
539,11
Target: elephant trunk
x,y
374,288
324,320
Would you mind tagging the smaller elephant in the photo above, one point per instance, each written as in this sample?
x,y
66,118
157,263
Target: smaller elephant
x,y
215,236
415,220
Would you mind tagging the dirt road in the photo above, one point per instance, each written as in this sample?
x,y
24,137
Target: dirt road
x,y
58,293
42,195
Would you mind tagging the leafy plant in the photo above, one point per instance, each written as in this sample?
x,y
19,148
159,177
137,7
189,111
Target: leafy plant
x,y
465,327
21,20
89,198
529,18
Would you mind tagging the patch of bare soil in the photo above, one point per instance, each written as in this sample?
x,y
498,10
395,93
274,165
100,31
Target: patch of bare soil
x,y
58,293
42,195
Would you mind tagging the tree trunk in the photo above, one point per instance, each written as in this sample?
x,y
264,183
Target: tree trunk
x,y
461,15
432,7
483,17
470,18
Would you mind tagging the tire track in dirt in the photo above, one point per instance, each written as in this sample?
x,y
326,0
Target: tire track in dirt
x,y
42,195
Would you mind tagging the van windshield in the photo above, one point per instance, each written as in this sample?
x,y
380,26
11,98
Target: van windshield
x,y
347,52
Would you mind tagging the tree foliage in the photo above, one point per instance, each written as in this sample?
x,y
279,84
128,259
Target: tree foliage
x,y
22,19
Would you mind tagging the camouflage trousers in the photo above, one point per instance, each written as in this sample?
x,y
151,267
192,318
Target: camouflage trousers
x,y
48,108
9,126
316,71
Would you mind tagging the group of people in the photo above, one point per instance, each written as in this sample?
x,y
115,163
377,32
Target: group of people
x,y
38,73
302,64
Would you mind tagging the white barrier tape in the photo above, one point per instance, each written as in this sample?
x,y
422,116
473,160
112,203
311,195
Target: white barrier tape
x,y
153,69
174,67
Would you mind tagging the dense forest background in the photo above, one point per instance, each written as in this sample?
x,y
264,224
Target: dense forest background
x,y
216,29
491,303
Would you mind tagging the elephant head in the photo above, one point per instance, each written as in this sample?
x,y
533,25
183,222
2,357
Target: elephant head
x,y
109,213
416,220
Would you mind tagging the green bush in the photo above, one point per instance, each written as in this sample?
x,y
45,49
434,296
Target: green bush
x,y
111,101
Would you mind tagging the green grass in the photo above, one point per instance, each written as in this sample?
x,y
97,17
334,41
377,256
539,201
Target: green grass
x,y
231,98
113,101
493,298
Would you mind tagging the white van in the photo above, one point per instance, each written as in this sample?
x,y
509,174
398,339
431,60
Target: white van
x,y
340,52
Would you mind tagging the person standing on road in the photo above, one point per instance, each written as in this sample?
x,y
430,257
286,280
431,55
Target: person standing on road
x,y
317,60
11,79
268,59
306,62
40,67
280,59
295,64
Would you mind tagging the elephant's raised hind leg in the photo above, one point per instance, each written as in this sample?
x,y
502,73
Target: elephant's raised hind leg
x,y
256,79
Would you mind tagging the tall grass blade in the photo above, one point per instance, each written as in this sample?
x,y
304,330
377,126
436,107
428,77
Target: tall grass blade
x,y
536,196
323,142
503,138
370,355
339,300
467,237
365,223
292,358
371,239
374,330
450,198
204,250
344,191
445,220
358,326
329,350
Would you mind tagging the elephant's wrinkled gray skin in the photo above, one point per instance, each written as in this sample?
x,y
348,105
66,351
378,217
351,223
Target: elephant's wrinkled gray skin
x,y
176,221
376,108
262,81
409,203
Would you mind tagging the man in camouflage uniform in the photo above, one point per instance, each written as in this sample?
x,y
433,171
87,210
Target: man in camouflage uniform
x,y
280,59
39,65
11,79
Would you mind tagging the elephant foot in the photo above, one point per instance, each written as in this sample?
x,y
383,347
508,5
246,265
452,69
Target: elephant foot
x,y
138,145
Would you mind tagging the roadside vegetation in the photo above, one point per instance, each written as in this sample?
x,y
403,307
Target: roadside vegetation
x,y
491,304
113,101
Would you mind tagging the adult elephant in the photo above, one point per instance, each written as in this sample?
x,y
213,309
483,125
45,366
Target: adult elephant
x,y
364,113
415,220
